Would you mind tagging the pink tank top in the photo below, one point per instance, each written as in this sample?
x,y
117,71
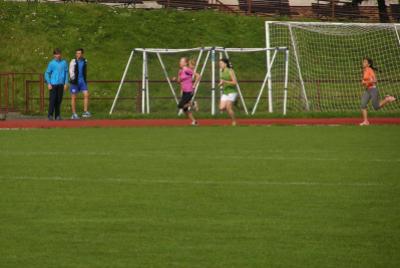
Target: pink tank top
x,y
186,78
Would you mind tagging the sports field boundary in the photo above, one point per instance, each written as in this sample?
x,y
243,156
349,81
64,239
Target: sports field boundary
x,y
38,123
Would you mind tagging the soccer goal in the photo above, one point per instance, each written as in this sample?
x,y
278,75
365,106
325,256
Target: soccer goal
x,y
325,62
206,58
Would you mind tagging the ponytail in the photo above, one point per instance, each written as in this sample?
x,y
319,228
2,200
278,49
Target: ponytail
x,y
371,64
227,62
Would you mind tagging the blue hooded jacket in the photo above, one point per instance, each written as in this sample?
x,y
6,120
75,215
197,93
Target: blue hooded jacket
x,y
57,72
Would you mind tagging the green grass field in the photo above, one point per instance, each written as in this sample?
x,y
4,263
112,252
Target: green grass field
x,y
200,197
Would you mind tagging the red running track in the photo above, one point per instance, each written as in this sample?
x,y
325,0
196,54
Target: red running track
x,y
21,123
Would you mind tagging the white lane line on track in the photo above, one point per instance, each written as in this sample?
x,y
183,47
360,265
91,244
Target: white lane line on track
x,y
195,182
194,155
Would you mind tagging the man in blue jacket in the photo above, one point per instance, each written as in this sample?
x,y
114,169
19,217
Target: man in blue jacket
x,y
56,77
78,81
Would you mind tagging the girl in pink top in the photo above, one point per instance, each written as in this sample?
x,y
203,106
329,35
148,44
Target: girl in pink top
x,y
185,79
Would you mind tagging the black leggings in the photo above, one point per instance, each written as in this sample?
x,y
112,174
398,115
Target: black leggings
x,y
185,99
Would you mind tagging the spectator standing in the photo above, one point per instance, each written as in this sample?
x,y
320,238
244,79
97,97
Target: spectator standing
x,y
56,77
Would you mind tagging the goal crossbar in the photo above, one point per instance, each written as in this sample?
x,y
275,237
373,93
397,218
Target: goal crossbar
x,y
334,23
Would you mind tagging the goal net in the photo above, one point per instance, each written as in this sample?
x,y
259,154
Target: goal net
x,y
325,62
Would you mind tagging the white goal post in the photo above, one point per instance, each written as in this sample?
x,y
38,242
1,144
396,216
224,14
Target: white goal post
x,y
325,62
205,55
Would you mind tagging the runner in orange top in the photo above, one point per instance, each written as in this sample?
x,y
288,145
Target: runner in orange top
x,y
369,78
371,92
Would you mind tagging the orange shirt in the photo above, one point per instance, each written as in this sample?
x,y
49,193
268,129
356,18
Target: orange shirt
x,y
369,78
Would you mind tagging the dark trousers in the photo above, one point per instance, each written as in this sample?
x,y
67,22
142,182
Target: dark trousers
x,y
55,99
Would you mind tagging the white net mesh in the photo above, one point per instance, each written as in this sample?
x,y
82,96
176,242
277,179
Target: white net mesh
x,y
326,61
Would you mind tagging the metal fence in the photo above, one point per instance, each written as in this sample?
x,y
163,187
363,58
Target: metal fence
x,y
26,93
14,90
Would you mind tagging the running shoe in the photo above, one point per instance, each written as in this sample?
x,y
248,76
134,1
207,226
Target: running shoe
x,y
58,118
364,123
86,114
75,117
390,98
195,123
